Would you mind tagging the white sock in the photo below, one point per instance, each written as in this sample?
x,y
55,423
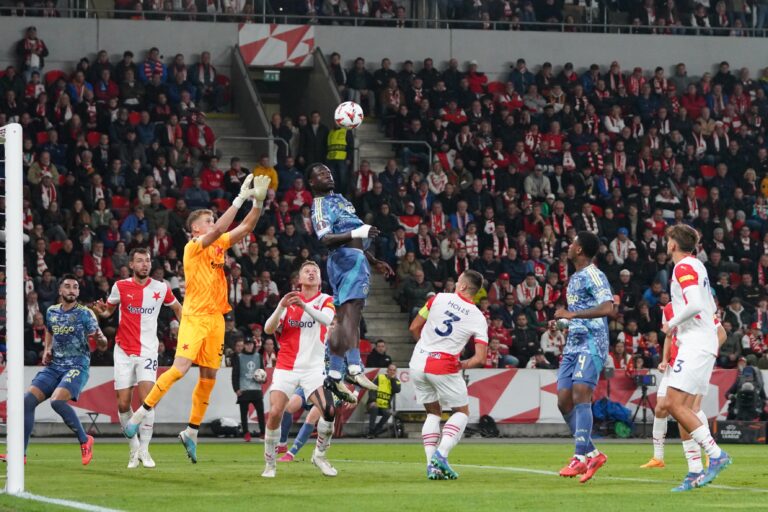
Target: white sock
x,y
354,369
430,435
138,415
271,438
693,456
659,434
452,432
125,417
703,419
702,436
594,453
145,432
191,433
324,435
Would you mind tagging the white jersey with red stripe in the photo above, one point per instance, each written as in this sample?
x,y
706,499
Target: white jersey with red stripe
x,y
301,337
452,321
139,308
690,284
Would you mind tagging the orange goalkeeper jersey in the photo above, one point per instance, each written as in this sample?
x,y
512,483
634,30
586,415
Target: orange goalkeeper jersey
x,y
206,292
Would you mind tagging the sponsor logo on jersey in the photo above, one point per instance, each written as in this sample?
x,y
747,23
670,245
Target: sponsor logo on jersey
x,y
63,329
685,278
217,266
141,311
301,324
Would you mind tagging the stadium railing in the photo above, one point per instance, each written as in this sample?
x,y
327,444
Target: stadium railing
x,y
600,24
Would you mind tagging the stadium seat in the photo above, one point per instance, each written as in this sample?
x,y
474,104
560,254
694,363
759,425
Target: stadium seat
x,y
168,202
186,183
496,87
707,172
53,75
597,210
41,138
121,205
366,347
134,118
221,204
93,139
54,247
701,193
224,81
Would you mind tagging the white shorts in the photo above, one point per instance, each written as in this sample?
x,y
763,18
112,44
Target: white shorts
x,y
288,381
661,391
691,372
449,390
130,370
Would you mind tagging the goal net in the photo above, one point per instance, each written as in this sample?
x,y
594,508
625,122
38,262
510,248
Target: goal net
x,y
12,326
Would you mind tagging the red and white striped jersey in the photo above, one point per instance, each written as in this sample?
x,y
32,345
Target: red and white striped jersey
x,y
139,309
301,337
699,330
452,321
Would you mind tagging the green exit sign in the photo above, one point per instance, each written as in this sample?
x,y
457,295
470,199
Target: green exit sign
x,y
272,75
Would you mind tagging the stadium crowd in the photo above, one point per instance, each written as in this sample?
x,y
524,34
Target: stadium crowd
x,y
701,17
116,155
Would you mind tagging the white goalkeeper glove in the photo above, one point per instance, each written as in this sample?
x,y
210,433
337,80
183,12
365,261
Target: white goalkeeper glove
x,y
245,192
259,190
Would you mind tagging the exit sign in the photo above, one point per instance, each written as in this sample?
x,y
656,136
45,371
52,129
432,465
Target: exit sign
x,y
272,75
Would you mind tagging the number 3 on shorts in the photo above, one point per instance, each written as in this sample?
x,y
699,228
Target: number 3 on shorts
x,y
678,366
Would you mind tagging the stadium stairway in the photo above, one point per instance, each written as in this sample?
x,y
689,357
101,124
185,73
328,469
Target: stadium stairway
x,y
377,153
384,320
231,125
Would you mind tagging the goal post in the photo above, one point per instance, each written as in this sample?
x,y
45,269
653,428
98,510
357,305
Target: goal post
x,y
11,138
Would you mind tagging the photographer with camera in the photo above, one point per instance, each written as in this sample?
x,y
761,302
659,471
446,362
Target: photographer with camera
x,y
747,395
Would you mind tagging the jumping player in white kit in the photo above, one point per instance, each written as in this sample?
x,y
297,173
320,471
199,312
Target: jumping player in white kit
x,y
693,326
302,319
443,327
139,299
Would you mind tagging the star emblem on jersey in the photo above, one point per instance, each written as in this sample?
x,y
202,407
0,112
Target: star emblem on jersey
x,y
218,250
156,296
185,347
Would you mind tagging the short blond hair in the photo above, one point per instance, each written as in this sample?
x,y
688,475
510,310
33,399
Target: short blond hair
x,y
196,214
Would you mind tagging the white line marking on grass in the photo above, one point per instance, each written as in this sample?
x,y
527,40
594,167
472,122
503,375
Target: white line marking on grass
x,y
545,472
64,503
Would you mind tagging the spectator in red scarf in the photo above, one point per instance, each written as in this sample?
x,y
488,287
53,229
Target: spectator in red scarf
x,y
31,53
203,76
200,137
151,65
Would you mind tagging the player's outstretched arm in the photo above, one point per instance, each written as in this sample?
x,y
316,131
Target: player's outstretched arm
x,y
103,309
604,309
257,194
336,239
382,267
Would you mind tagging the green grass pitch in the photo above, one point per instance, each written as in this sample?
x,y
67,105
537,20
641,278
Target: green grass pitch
x,y
384,477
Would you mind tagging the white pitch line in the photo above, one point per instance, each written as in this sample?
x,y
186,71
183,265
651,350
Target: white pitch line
x,y
513,469
64,503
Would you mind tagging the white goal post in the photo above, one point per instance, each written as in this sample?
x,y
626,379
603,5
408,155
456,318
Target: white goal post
x,y
11,138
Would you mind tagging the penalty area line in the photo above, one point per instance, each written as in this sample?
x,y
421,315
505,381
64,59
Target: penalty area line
x,y
63,503
545,472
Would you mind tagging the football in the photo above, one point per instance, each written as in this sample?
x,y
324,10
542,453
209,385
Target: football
x,y
348,115
260,376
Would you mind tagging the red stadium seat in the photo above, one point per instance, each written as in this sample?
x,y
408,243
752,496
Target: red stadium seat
x,y
121,205
701,193
366,347
707,172
42,138
597,210
53,75
93,139
168,202
496,87
221,204
54,247
186,183
134,118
